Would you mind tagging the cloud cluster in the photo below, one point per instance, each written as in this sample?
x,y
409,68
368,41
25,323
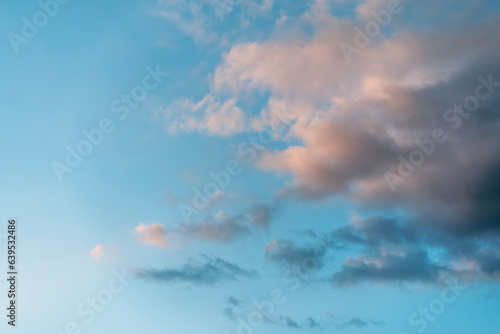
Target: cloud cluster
x,y
220,228
374,112
353,124
399,250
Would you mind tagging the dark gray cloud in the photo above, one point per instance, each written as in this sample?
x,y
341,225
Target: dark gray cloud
x,y
376,230
489,261
457,189
289,253
395,250
209,272
401,266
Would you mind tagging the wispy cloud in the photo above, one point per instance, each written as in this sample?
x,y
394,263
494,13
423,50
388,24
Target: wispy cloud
x,y
210,271
359,323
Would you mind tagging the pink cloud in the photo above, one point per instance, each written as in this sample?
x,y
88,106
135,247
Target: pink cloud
x,y
97,252
153,234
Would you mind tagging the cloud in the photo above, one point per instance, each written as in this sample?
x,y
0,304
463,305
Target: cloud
x,y
290,323
355,121
352,122
261,214
230,313
233,301
209,272
153,234
394,265
333,155
188,17
288,253
202,20
397,250
294,323
311,323
359,323
376,230
227,230
208,115
97,252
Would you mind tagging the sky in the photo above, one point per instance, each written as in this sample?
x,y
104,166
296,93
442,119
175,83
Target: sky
x,y
251,166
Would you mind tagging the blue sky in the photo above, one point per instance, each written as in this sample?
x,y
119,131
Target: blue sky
x,y
338,206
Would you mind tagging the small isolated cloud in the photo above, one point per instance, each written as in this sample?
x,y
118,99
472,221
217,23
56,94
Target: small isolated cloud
x,y
290,323
154,234
233,301
97,252
209,272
